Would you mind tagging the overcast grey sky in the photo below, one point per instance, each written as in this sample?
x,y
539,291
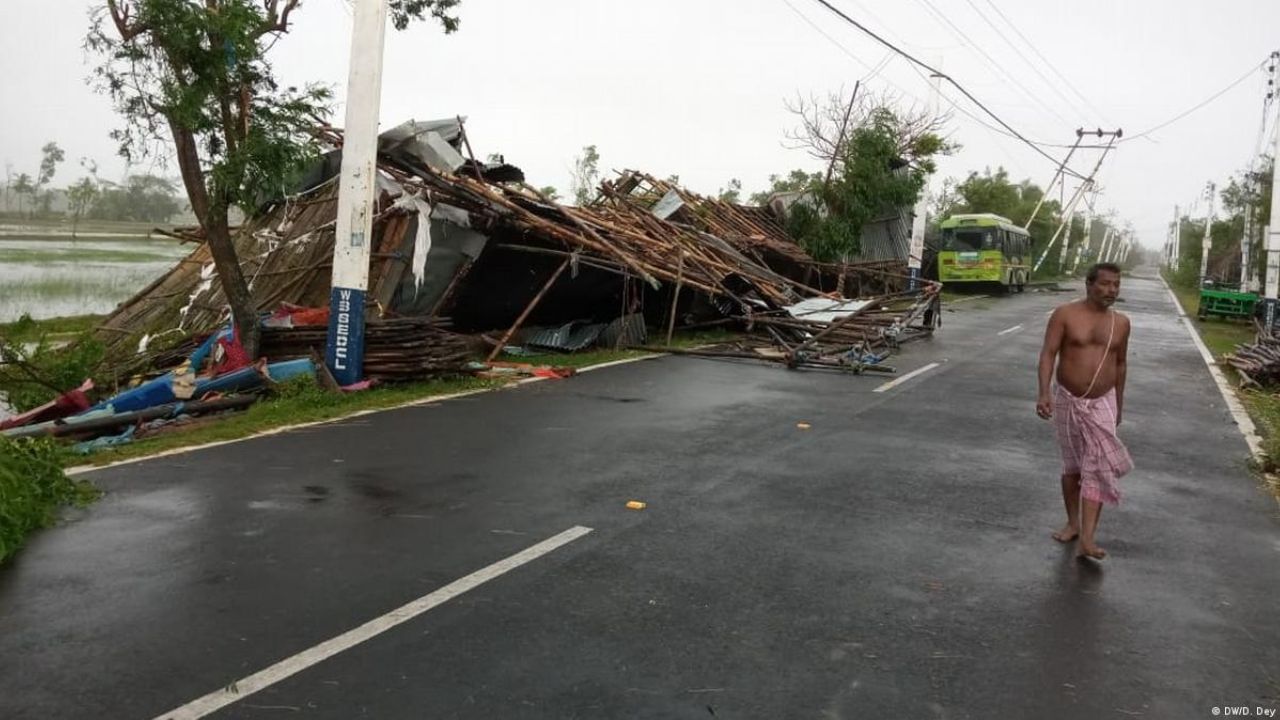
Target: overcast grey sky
x,y
696,87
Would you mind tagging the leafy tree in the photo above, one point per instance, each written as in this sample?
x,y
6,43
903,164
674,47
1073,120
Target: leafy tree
x,y
586,175
881,165
24,186
1249,194
989,192
143,198
550,192
1224,250
731,193
794,181
80,198
195,73
50,157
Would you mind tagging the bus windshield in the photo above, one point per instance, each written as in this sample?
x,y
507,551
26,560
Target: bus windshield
x,y
969,239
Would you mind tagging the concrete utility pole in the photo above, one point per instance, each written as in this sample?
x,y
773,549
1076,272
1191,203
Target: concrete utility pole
x,y
1246,240
1062,167
1177,238
1081,249
1088,228
1273,228
1106,242
1066,242
344,353
919,221
1212,192
1084,187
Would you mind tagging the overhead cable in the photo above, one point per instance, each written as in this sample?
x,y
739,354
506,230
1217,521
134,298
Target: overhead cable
x,y
941,75
1050,65
990,61
1197,106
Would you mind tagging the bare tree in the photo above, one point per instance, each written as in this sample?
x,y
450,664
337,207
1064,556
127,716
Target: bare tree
x,y
825,124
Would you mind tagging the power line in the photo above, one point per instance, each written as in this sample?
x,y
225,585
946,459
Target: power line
x,y
1196,107
1049,64
943,76
955,106
991,129
990,61
1048,83
872,72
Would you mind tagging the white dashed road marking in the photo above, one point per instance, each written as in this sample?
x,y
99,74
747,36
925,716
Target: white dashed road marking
x,y
262,679
895,383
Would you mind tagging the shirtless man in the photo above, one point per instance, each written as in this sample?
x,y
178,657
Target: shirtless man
x,y
1089,342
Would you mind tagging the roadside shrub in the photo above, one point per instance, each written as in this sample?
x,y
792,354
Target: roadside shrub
x,y
32,487
33,375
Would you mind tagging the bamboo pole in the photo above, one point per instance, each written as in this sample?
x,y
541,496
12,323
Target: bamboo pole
x,y
529,309
675,297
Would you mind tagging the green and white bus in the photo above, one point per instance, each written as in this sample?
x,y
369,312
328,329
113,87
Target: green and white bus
x,y
984,248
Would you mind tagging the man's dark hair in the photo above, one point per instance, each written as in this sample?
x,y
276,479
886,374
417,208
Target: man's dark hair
x,y
1092,275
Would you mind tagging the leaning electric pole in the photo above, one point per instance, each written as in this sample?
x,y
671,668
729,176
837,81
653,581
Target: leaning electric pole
x,y
1079,193
1062,168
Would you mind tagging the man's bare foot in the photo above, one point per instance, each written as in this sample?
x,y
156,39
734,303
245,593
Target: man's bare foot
x,y
1068,533
1092,552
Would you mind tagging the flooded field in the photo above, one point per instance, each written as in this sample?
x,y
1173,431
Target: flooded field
x,y
54,277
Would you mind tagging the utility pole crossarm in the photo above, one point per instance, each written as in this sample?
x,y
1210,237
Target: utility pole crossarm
x,y
1085,187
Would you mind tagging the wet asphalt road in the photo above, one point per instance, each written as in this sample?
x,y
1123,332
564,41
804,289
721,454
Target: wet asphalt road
x,y
893,560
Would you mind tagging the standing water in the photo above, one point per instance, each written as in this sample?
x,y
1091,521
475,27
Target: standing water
x,y
54,277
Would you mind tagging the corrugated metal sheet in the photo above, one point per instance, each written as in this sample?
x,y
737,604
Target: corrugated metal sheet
x,y
570,337
887,238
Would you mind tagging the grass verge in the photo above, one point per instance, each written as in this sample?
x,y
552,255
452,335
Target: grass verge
x,y
26,330
295,403
304,402
1221,337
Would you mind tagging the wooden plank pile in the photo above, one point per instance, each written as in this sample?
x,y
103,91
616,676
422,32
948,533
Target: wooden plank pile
x,y
1258,363
396,349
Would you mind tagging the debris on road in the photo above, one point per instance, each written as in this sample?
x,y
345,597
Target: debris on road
x,y
469,262
475,244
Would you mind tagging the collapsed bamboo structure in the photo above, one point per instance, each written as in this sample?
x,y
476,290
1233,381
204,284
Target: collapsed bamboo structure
x,y
496,255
